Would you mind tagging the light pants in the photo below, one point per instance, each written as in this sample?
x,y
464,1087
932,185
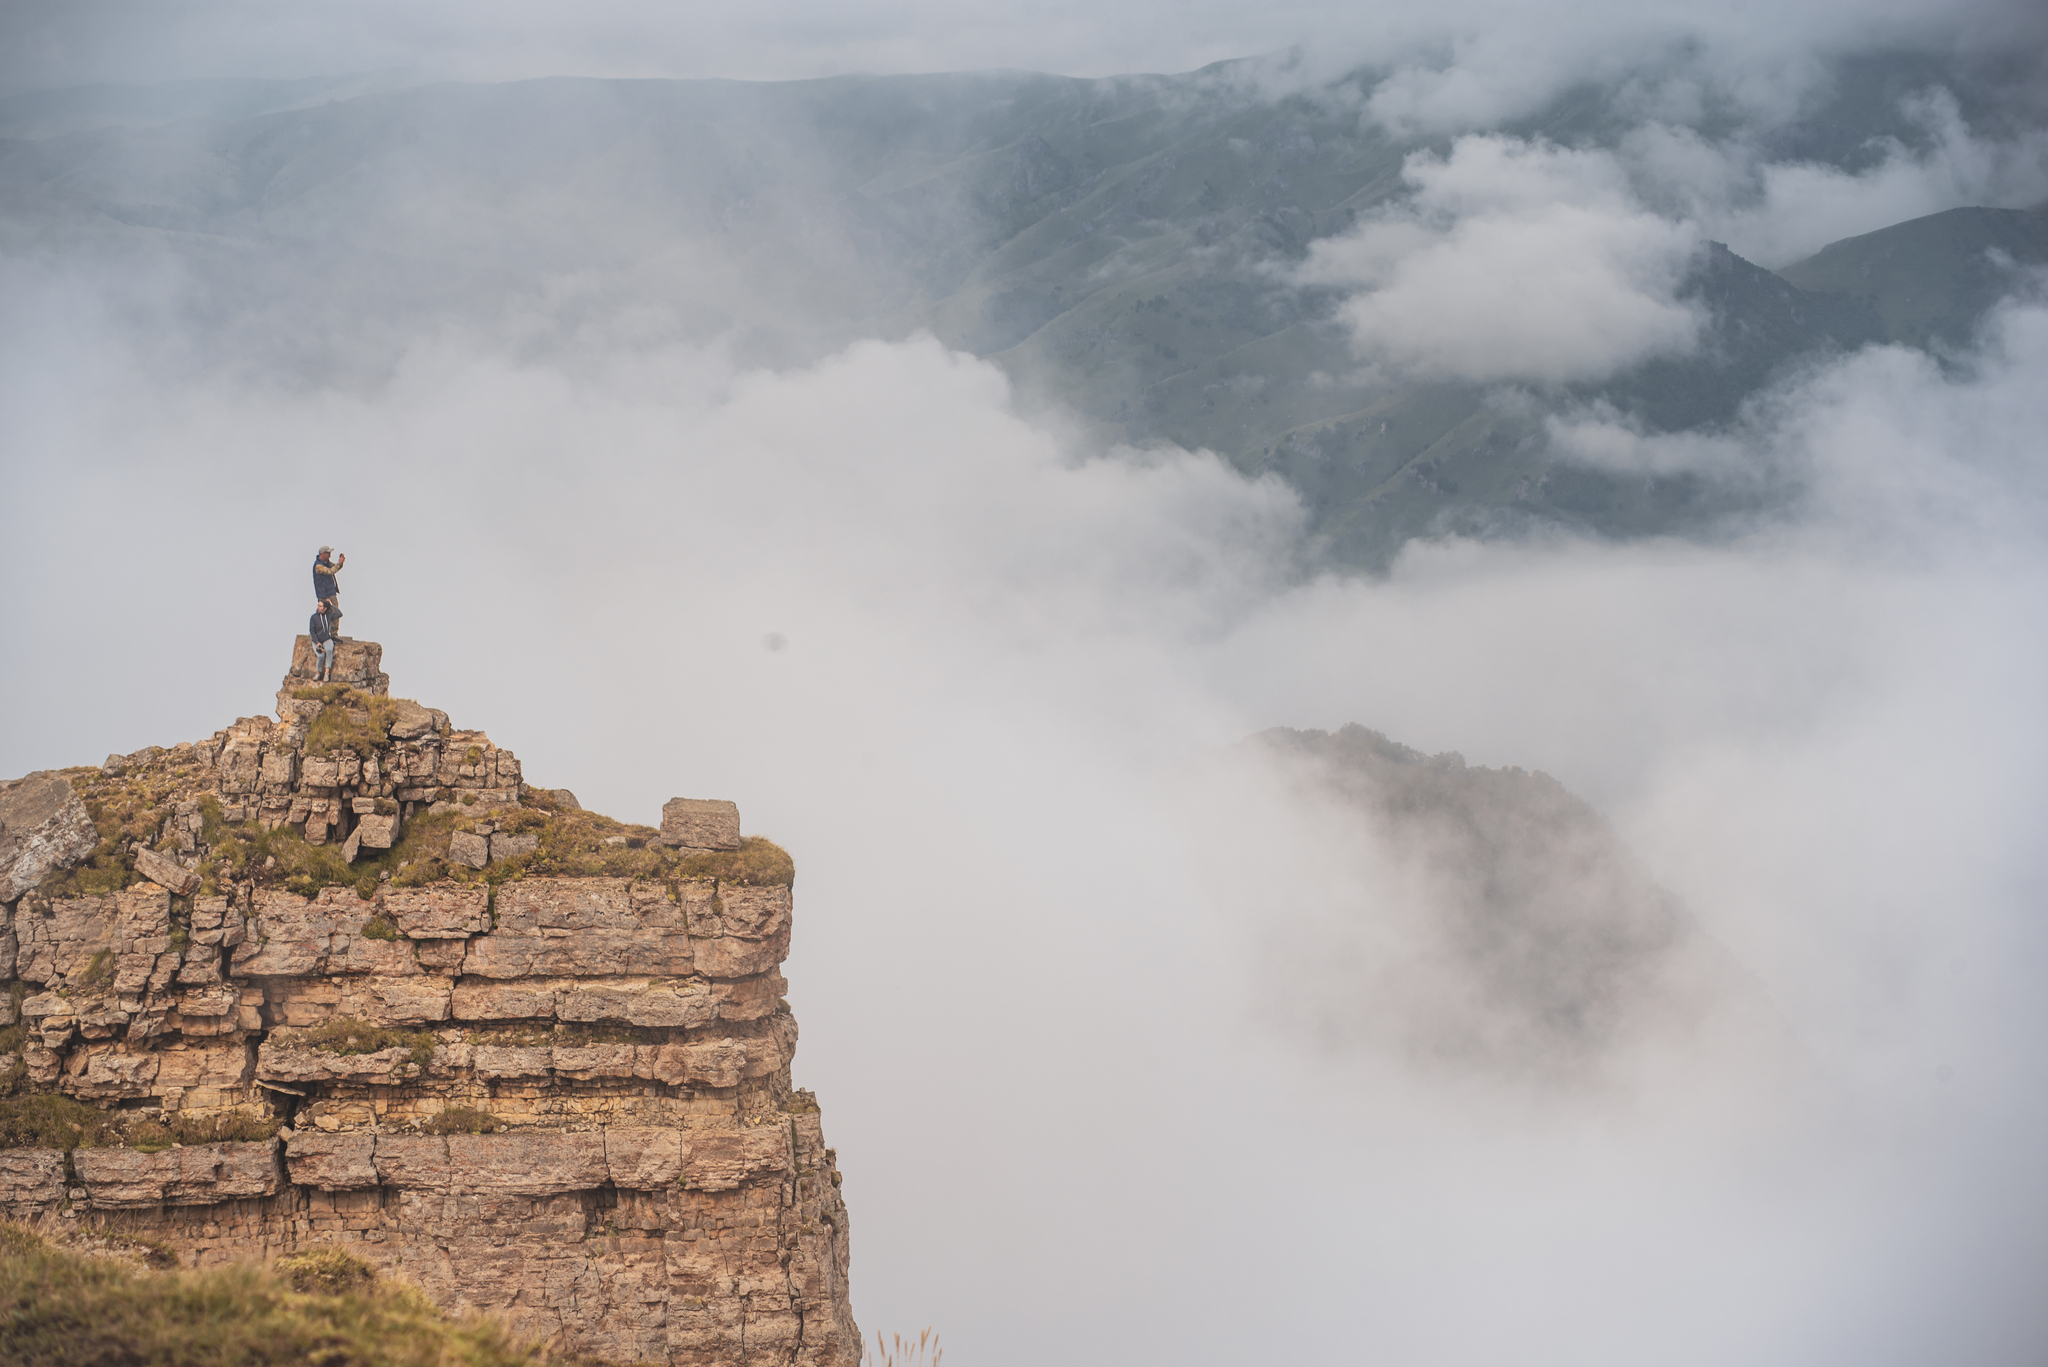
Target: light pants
x,y
323,655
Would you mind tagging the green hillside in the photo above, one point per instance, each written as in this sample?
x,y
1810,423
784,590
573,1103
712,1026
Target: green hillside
x,y
1930,279
1122,247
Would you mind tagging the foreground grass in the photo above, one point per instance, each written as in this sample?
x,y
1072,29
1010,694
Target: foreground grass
x,y
60,1308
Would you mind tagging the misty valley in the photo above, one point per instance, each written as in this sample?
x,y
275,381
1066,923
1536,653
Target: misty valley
x,y
1404,673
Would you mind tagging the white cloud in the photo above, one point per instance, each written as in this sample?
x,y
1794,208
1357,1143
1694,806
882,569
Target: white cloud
x,y
1777,212
1069,1127
1513,261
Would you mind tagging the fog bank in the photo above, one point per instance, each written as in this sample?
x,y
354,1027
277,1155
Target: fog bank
x,y
979,685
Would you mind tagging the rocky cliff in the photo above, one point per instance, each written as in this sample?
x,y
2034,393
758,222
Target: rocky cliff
x,y
345,978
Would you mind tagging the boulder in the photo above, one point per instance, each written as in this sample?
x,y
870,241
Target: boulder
x,y
700,824
166,872
44,829
506,845
467,847
379,830
414,722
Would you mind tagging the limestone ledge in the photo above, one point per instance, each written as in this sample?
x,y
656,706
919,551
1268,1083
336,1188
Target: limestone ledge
x,y
666,1003
192,1174
711,1063
545,927
537,1163
540,1163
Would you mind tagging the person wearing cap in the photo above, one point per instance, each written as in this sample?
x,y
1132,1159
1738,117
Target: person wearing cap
x,y
320,630
325,592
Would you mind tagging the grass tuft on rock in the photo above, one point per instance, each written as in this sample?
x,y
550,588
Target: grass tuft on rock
x,y
49,1120
464,1120
350,720
327,1272
68,1309
152,1135
343,1035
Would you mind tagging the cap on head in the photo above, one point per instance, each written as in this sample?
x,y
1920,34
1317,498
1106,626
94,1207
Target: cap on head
x,y
327,550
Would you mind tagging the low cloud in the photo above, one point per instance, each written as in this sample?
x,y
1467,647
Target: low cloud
x,y
1052,978
1513,260
1777,211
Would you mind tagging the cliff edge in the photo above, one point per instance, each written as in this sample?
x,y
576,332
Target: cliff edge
x,y
345,979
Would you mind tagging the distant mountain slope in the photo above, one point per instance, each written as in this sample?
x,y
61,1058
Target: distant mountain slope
x,y
1123,247
1501,926
1930,279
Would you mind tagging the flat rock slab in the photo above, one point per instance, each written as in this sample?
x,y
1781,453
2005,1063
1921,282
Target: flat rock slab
x,y
359,663
31,1178
697,823
283,1063
439,913
166,872
536,1163
723,1161
546,1163
196,1174
331,1162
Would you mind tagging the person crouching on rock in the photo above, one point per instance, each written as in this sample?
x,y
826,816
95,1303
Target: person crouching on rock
x,y
325,590
321,629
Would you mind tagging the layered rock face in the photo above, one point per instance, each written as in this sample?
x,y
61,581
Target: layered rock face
x,y
559,1095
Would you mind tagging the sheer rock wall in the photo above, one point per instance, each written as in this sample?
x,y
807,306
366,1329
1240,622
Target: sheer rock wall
x,y
647,1185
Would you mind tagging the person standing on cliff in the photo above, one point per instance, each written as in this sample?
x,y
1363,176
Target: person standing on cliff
x,y
325,591
320,630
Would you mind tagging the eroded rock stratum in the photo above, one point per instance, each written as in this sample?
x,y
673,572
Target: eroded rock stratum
x,y
346,979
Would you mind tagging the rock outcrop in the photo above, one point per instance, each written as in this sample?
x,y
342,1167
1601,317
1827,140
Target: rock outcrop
x,y
346,979
43,828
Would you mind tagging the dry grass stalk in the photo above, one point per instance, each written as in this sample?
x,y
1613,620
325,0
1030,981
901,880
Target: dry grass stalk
x,y
898,1351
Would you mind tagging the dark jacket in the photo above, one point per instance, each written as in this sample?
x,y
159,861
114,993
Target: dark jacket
x,y
323,580
318,629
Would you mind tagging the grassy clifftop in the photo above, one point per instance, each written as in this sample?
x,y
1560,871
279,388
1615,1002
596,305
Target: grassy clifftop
x,y
99,1300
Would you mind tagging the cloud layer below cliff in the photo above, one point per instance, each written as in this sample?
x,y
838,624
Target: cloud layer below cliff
x,y
1049,954
1055,949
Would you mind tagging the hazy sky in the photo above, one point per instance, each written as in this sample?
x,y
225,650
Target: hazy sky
x,y
1512,44
977,676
